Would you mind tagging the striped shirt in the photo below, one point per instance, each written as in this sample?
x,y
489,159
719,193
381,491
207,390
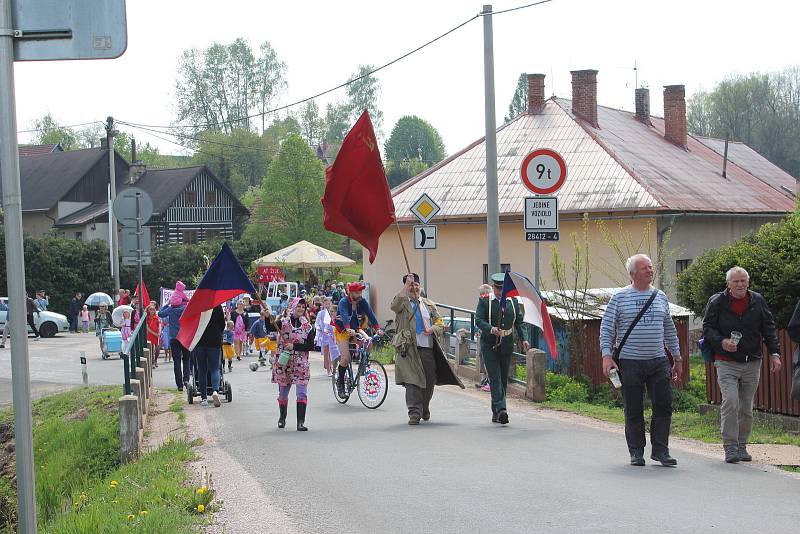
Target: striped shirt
x,y
653,331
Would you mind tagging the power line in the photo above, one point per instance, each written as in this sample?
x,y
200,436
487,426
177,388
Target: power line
x,y
60,126
515,8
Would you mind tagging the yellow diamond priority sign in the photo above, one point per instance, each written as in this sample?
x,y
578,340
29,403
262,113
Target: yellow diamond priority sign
x,y
425,209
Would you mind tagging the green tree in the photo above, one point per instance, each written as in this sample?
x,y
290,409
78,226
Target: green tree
x,y
221,87
336,125
291,191
398,172
50,132
363,93
239,158
519,102
761,110
312,126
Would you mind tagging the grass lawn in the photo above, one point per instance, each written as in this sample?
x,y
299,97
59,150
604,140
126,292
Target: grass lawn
x,y
384,354
81,485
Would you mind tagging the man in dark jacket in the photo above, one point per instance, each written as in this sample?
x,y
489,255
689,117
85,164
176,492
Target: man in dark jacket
x,y
735,322
74,310
32,308
208,356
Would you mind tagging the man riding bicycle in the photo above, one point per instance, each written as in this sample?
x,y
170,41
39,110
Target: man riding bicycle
x,y
352,315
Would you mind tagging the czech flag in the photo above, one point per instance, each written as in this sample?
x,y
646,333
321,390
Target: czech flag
x,y
517,285
225,279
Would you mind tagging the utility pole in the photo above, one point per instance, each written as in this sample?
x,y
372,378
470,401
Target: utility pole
x,y
15,270
112,220
492,210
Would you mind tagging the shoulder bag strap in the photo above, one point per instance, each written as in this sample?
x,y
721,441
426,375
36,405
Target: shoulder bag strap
x,y
633,324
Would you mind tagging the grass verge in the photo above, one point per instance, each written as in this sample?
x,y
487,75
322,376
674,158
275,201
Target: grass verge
x,y
576,396
176,406
80,484
384,354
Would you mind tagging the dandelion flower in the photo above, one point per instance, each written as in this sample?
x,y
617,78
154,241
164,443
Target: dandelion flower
x,y
114,483
143,513
131,517
201,508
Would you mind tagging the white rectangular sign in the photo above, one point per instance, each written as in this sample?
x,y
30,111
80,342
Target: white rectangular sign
x,y
425,236
541,213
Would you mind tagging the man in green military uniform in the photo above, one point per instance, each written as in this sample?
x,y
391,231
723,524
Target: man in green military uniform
x,y
497,343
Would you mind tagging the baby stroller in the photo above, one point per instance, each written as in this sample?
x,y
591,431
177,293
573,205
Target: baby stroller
x,y
225,389
112,341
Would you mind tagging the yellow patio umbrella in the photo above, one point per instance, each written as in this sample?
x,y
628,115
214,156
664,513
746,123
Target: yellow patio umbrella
x,y
304,255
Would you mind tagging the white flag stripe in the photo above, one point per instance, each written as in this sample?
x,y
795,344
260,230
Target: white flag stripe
x,y
529,299
205,317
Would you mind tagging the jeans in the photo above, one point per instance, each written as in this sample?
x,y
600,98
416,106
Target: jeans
x,y
656,376
418,399
497,366
181,362
73,324
738,382
208,360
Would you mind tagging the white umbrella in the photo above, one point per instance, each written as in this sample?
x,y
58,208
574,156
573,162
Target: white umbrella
x,y
306,256
96,299
116,315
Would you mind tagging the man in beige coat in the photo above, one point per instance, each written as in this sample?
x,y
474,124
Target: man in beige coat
x,y
420,363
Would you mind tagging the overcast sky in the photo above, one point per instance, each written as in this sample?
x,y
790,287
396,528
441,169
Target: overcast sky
x,y
691,42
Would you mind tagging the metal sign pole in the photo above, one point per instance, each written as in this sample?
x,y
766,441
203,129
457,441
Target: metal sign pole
x,y
536,272
15,269
139,303
112,220
425,271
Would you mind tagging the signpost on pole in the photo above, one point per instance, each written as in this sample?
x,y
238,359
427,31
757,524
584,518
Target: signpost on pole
x,y
33,30
543,172
133,207
425,209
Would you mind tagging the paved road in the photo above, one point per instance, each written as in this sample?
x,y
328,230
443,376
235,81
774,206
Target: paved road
x,y
360,470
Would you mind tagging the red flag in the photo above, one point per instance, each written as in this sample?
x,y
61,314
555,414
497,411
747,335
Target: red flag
x,y
144,297
357,202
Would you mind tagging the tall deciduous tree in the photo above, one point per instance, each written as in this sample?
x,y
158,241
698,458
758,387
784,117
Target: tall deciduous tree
x,y
413,146
519,102
50,132
291,192
221,87
762,110
312,126
239,158
363,93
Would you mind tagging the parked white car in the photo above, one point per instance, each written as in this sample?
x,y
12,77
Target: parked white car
x,y
48,323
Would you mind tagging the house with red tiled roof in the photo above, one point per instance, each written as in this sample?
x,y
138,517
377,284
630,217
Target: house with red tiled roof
x,y
654,186
38,150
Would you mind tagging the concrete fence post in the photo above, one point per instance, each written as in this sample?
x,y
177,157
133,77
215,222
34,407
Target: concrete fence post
x,y
462,349
136,388
536,367
148,374
149,365
141,376
128,428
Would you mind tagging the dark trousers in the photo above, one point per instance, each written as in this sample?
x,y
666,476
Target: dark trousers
x,y
32,324
655,375
497,366
208,360
181,362
73,323
418,399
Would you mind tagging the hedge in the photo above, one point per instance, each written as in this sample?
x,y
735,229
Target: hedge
x,y
771,256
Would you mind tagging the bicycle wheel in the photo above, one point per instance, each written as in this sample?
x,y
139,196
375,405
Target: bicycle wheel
x,y
341,400
373,386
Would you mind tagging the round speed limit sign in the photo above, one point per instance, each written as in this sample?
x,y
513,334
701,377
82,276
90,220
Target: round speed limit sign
x,y
543,171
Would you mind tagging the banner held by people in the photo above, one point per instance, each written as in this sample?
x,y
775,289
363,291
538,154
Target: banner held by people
x,y
357,202
224,280
517,285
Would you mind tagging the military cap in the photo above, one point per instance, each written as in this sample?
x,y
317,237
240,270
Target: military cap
x,y
498,278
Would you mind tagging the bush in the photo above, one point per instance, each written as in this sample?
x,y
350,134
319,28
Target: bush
x,y
562,388
772,258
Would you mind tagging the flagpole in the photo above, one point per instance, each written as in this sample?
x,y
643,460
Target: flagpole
x,y
402,246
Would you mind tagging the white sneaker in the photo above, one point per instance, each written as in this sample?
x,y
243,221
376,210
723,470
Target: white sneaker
x,y
204,402
215,398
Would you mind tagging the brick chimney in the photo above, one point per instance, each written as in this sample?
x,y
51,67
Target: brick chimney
x,y
535,93
133,150
584,95
675,114
136,171
643,105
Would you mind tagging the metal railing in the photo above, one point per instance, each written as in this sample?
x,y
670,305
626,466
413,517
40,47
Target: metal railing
x,y
133,352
